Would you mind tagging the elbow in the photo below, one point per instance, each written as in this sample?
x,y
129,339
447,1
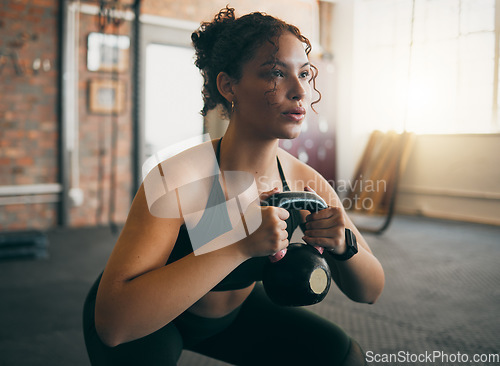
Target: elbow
x,y
372,300
109,341
365,298
109,328
114,330
374,295
369,295
108,335
108,320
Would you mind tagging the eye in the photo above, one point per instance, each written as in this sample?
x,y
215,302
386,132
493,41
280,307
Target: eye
x,y
305,74
277,73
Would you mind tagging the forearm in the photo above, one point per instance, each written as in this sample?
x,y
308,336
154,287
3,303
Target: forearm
x,y
128,310
361,277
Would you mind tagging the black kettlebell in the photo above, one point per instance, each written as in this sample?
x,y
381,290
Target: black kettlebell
x,y
301,276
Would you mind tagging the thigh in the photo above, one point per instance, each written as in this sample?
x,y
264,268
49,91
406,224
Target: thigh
x,y
267,334
162,347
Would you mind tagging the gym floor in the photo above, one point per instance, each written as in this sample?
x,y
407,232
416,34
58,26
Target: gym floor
x,y
441,295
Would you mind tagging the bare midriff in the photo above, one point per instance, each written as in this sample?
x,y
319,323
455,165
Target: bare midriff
x,y
216,304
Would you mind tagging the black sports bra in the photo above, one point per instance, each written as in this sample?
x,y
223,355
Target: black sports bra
x,y
249,271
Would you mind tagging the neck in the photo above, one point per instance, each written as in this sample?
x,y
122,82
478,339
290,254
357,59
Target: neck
x,y
248,153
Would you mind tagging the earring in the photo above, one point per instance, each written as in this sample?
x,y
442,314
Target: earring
x,y
232,106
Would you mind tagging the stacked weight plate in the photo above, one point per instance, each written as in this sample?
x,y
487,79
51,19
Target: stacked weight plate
x,y
23,244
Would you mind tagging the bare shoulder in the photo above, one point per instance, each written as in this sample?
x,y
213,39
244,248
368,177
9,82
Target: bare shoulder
x,y
181,164
155,216
294,168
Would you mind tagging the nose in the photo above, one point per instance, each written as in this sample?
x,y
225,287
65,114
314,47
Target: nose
x,y
298,89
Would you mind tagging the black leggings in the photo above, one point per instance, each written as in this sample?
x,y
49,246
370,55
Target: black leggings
x,y
257,333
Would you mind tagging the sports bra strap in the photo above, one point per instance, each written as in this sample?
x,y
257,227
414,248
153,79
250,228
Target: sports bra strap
x,y
282,175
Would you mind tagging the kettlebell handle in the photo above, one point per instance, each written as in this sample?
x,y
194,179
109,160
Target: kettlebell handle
x,y
291,201
296,201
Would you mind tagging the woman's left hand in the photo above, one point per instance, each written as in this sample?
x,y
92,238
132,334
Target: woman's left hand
x,y
326,228
362,279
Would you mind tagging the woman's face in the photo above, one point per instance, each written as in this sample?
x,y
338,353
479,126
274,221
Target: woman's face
x,y
274,93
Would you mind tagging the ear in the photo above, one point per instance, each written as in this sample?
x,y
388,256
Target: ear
x,y
225,86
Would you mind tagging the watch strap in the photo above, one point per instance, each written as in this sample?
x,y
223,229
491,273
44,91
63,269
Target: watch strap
x,y
352,247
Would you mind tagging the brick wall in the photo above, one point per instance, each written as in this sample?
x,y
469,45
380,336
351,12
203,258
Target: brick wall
x,y
95,140
28,106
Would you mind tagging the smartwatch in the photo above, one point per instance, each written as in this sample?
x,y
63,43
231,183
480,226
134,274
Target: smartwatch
x,y
352,247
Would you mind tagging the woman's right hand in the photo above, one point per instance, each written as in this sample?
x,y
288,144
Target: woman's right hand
x,y
271,236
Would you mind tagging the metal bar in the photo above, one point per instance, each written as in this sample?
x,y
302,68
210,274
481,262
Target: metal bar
x,y
24,200
137,137
30,189
64,159
495,122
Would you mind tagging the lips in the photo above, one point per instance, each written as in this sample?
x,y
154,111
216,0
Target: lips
x,y
295,114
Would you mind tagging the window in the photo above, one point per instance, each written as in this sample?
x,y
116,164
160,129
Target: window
x,y
427,66
173,97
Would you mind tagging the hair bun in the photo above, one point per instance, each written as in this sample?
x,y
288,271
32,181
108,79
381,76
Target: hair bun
x,y
208,33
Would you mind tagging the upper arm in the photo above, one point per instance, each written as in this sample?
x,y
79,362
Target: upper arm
x,y
144,244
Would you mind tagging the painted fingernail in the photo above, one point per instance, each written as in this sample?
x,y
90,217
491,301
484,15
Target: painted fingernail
x,y
318,248
278,256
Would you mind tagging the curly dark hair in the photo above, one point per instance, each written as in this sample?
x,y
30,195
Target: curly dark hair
x,y
227,42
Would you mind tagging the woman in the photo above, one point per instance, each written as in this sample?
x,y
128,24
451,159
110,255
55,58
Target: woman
x,y
143,312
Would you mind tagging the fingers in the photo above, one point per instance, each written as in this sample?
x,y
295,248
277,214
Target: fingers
x,y
282,224
330,227
309,189
279,240
325,233
328,217
331,239
325,228
265,195
331,213
282,213
275,218
271,237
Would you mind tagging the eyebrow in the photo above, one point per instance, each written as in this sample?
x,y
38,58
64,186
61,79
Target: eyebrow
x,y
281,63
